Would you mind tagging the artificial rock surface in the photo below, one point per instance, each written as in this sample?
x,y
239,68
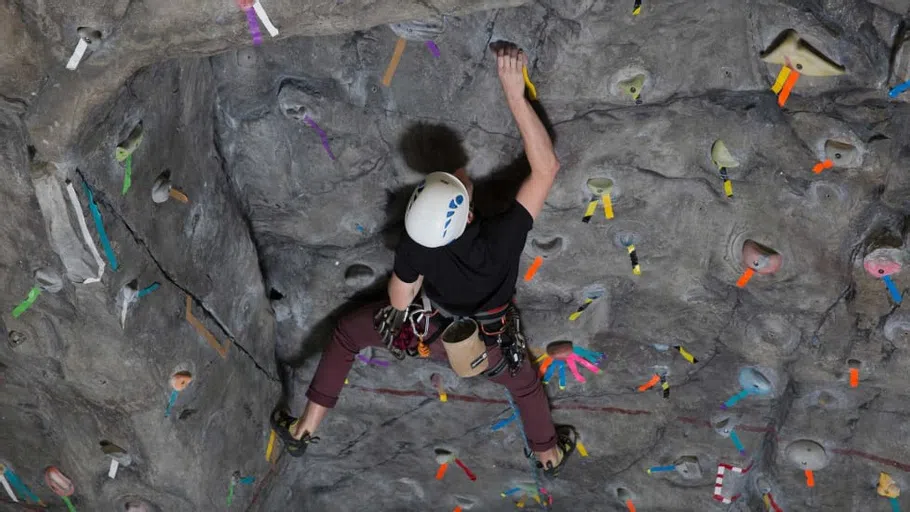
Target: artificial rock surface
x,y
278,238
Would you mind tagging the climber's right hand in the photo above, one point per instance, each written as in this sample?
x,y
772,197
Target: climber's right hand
x,y
388,322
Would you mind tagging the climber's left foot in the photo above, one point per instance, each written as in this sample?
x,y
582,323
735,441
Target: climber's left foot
x,y
282,423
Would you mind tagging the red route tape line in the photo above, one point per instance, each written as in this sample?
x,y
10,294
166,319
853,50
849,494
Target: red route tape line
x,y
538,261
629,412
773,504
467,471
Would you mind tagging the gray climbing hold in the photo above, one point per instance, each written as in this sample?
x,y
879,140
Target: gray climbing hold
x,y
688,467
624,494
723,423
807,454
897,327
419,30
17,338
49,280
359,276
546,246
91,37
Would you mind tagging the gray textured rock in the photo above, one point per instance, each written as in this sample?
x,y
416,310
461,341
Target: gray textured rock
x,y
297,162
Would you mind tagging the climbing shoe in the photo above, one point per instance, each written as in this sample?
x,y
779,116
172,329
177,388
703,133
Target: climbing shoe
x,y
282,422
566,441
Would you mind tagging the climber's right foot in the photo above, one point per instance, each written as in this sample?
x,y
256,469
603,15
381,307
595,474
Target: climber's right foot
x,y
281,423
567,439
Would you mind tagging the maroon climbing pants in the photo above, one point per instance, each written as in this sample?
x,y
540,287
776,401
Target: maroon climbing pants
x,y
355,332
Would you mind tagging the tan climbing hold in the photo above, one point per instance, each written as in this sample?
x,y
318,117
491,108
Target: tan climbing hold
x,y
600,186
633,86
180,380
792,51
841,153
721,156
887,487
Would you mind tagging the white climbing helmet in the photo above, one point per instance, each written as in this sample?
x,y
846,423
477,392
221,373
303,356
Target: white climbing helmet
x,y
438,210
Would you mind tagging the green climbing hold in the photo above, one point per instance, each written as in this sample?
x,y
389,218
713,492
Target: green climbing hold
x,y
126,148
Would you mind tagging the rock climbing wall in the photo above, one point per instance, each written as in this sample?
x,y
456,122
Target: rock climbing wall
x,y
728,229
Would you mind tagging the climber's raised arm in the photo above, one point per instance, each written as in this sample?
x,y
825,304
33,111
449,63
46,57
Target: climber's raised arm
x,y
537,143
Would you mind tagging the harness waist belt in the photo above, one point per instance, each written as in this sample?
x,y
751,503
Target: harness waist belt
x,y
490,316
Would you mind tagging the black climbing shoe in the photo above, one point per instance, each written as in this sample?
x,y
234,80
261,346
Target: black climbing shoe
x,y
281,424
566,440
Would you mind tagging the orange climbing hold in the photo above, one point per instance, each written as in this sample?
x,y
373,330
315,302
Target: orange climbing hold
x,y
744,279
650,384
821,166
538,261
788,86
810,478
854,377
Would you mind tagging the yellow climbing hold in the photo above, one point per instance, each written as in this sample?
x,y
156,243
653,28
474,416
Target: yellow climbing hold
x,y
532,91
887,486
792,51
633,86
721,156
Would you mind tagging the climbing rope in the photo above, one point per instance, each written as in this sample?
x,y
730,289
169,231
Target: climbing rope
x,y
544,502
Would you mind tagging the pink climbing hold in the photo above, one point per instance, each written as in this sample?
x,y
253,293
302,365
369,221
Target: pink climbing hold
x,y
880,267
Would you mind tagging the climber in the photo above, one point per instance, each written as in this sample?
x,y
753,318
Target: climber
x,y
467,268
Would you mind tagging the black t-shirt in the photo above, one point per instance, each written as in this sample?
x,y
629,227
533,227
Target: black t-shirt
x,y
476,272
